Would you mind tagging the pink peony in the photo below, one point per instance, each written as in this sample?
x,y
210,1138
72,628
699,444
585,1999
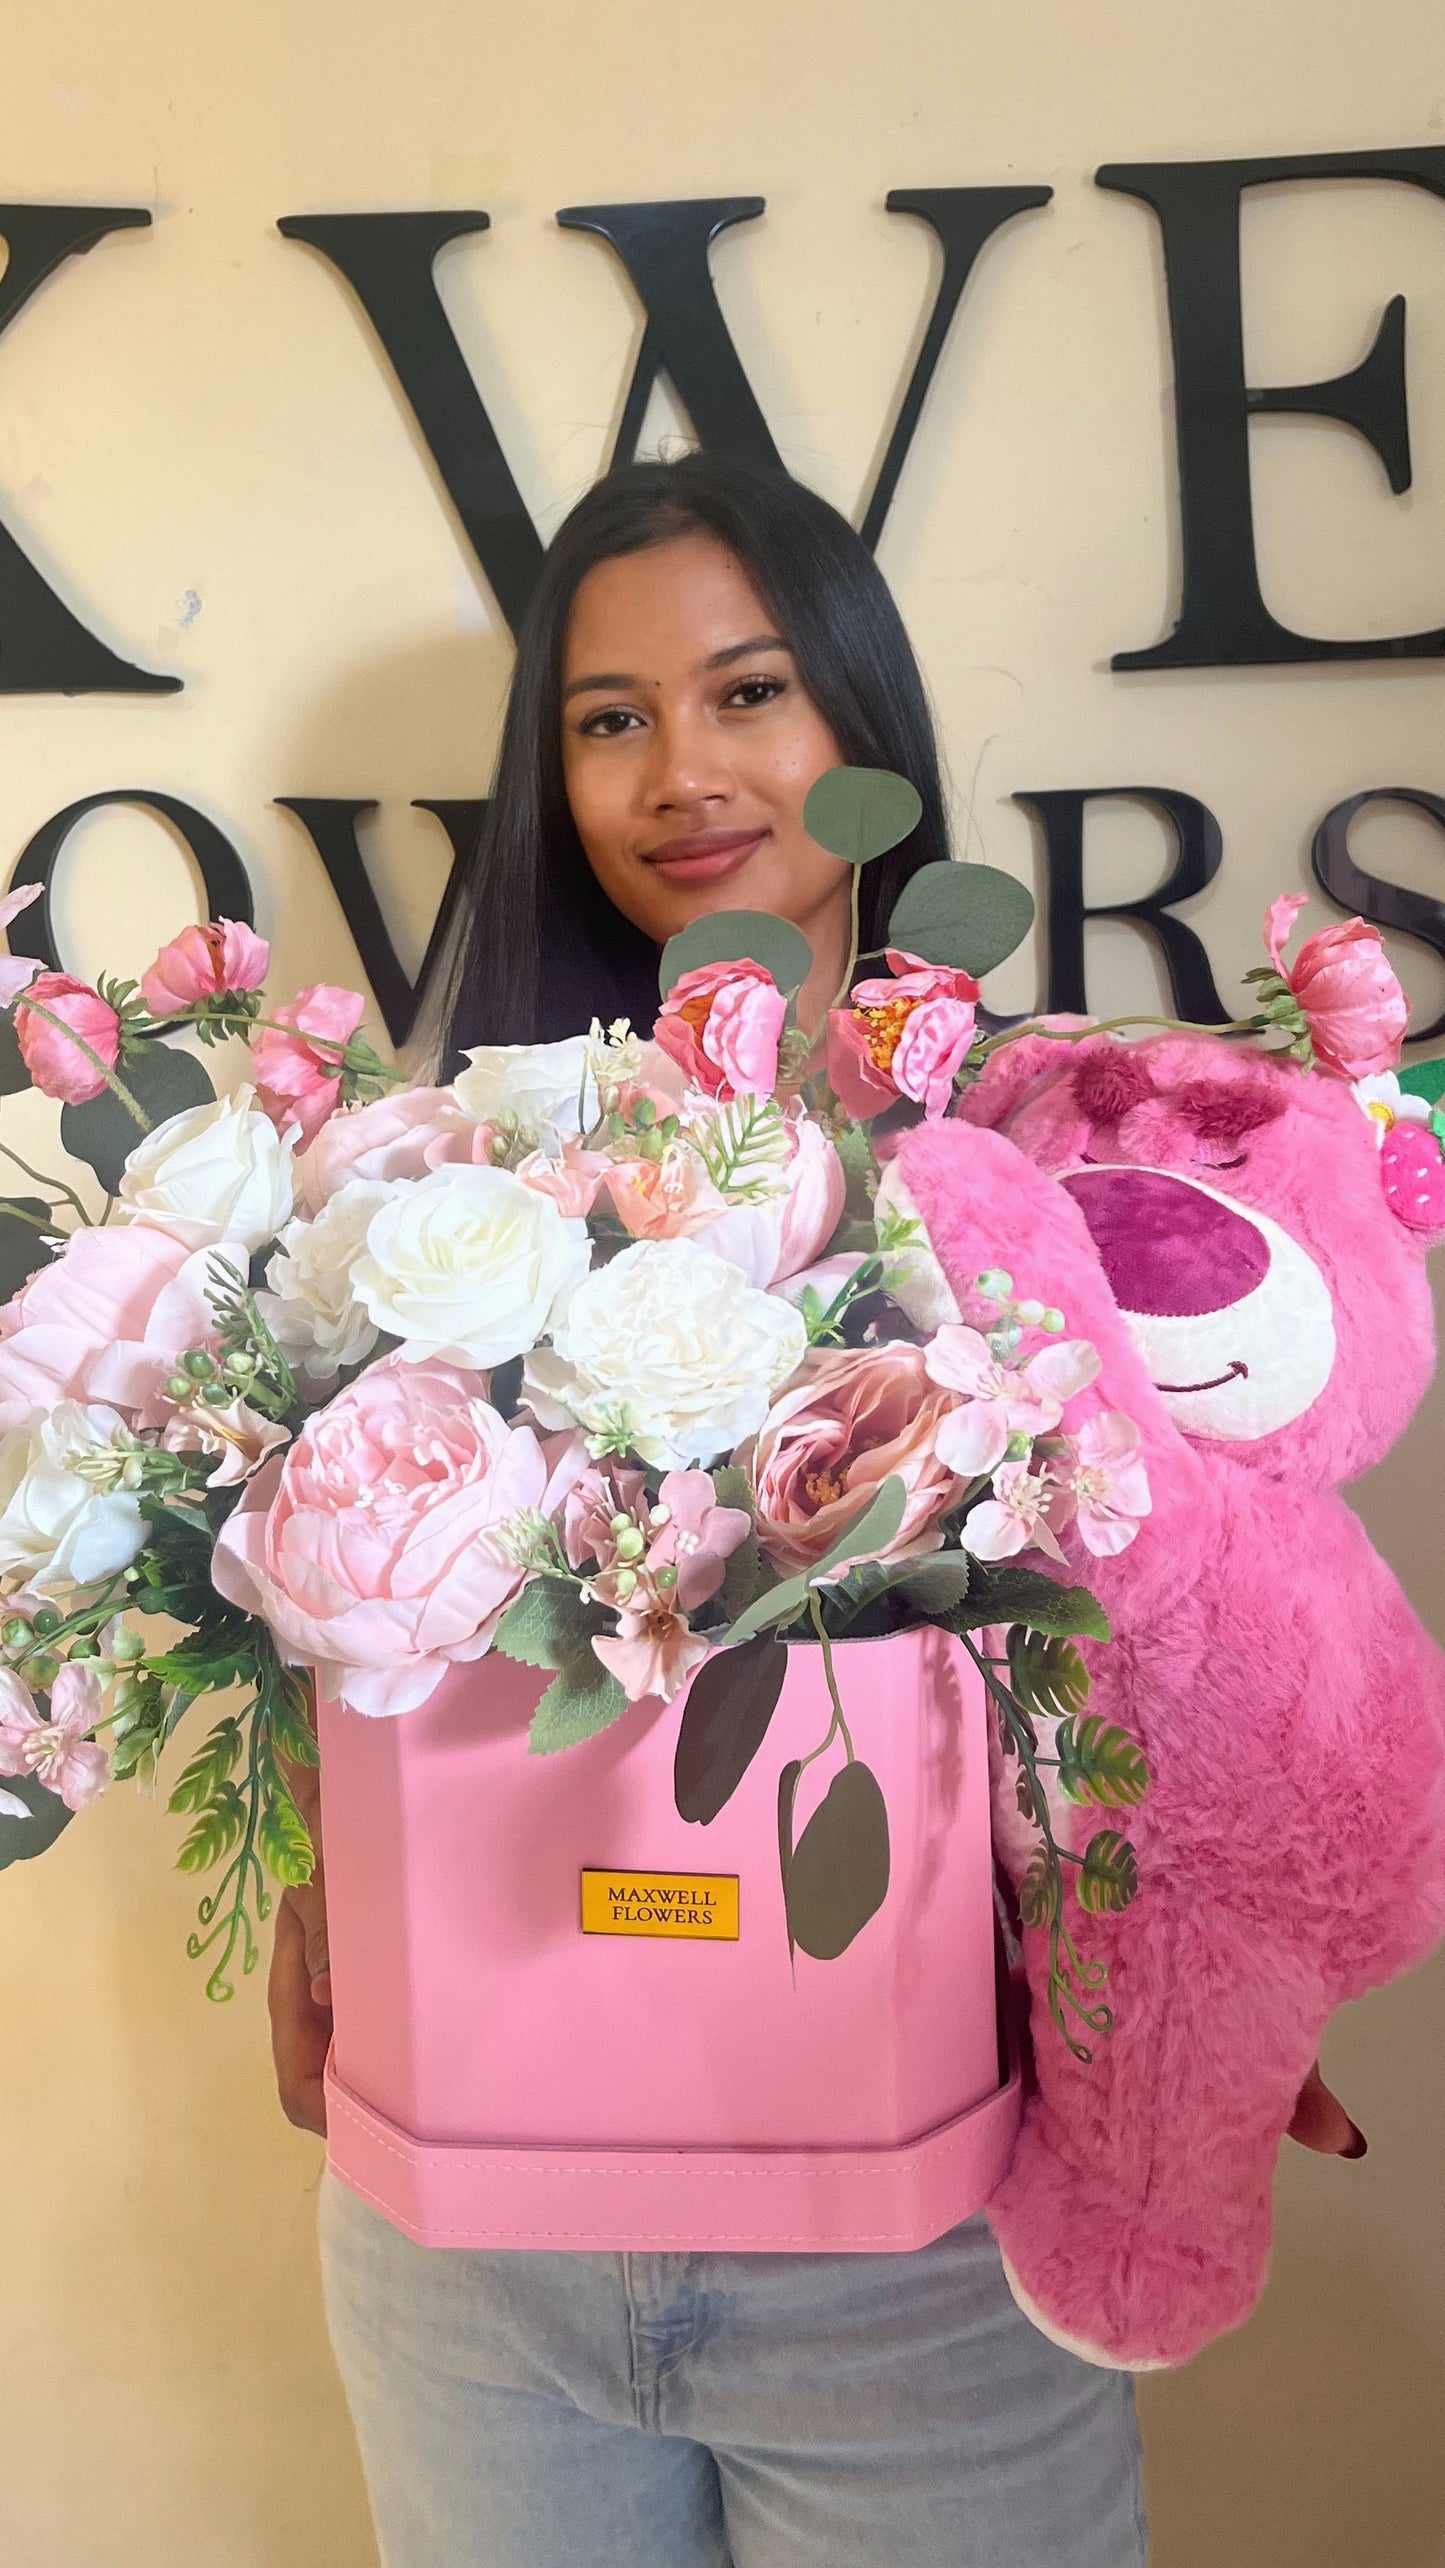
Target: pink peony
x,y
106,1321
203,962
1002,1400
1348,996
904,1037
57,1066
298,1081
17,969
856,1417
721,1025
776,1239
56,1751
372,1547
404,1134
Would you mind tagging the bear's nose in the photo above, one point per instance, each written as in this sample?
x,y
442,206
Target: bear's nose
x,y
1167,1246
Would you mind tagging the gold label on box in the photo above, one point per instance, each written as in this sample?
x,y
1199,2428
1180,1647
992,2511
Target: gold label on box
x,y
703,1906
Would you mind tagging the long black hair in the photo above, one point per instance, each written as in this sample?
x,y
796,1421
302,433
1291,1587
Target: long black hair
x,y
536,948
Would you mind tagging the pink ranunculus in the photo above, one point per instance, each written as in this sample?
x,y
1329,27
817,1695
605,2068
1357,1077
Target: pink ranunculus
x,y
1107,1482
201,963
573,1179
298,1070
17,969
1002,1400
116,1309
371,1548
855,1417
668,1198
57,1066
903,1037
1348,995
56,1751
404,1134
722,1025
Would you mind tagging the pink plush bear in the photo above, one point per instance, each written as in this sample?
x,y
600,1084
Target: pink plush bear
x,y
1227,1230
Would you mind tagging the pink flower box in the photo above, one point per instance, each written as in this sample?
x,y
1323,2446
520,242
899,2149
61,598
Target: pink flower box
x,y
499,2077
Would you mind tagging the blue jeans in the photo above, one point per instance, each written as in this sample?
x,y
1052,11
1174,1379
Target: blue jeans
x,y
531,2410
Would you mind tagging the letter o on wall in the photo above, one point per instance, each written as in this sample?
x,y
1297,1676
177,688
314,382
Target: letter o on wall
x,y
226,882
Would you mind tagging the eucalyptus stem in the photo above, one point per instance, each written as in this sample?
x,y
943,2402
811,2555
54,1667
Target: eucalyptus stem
x,y
1115,1025
67,1193
815,1608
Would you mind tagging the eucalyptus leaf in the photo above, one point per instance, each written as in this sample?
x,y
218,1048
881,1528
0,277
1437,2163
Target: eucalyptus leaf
x,y
738,936
13,1074
163,1082
730,1703
870,1531
22,1247
969,917
22,1838
577,1704
860,812
787,1795
838,1873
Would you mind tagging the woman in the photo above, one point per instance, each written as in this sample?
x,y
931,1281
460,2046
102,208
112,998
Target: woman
x,y
703,644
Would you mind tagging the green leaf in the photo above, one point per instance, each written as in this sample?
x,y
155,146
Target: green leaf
x,y
576,1705
787,1795
730,1702
1001,1593
283,1840
292,1736
1100,1762
14,1078
838,1873
967,916
163,1082
738,936
938,1581
870,1531
214,1760
548,1624
22,1838
860,1168
860,812
22,1249
1041,1890
1424,1079
929,1587
1110,1875
1046,1673
220,1827
745,1571
742,1145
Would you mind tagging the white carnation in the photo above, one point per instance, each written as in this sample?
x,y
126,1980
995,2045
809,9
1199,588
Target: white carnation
x,y
311,1309
59,1528
670,1346
216,1172
468,1265
539,1083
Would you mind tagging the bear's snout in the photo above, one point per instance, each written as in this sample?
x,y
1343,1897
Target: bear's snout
x,y
1168,1248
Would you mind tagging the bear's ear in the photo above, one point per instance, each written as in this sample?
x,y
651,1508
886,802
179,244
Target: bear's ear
x,y
1412,1152
1009,1073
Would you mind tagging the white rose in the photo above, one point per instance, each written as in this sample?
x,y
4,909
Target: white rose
x,y
669,1344
58,1527
539,1083
918,1284
468,1265
216,1172
311,1310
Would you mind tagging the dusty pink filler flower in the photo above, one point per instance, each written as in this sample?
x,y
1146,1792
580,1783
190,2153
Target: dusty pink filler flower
x,y
57,1066
675,1556
299,1081
901,1038
721,1025
201,963
56,1751
372,1547
856,1416
1349,997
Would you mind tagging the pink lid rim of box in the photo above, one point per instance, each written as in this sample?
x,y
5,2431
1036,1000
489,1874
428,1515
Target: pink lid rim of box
x,y
612,2201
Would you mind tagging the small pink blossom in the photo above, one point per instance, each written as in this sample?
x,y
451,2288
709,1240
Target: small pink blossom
x,y
1022,1513
904,1037
57,1066
298,1070
573,1179
202,963
1107,1484
17,969
722,1025
56,1751
1348,995
1001,1400
239,1437
652,1653
697,1539
668,1198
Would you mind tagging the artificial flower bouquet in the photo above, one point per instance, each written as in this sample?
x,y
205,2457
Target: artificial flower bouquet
x,y
626,1360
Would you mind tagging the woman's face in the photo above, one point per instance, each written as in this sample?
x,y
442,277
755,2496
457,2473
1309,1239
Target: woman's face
x,y
688,746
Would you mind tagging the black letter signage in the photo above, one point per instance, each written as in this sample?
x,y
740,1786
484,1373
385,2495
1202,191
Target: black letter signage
x,y
1387,904
1199,851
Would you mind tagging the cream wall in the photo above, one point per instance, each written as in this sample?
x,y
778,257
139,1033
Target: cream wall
x,y
198,414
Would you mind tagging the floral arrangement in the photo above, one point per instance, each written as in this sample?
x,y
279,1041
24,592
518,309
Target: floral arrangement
x,y
624,1358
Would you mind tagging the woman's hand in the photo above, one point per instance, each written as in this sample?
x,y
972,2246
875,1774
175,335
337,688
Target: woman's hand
x,y
299,1993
